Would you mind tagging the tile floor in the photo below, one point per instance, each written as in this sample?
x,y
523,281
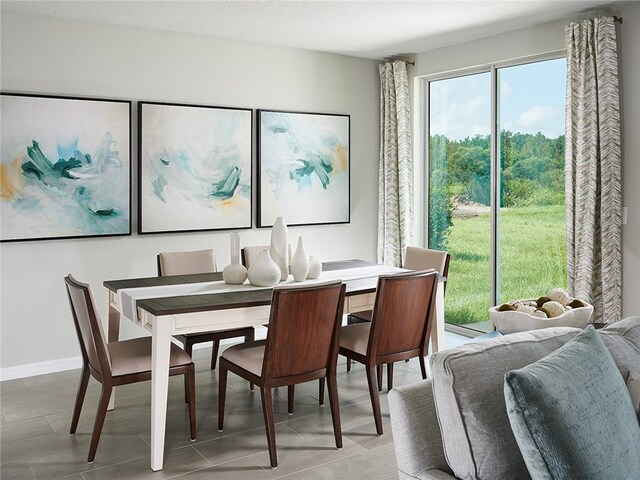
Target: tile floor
x,y
35,414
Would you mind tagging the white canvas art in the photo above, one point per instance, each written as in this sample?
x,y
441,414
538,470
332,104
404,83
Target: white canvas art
x,y
195,168
303,168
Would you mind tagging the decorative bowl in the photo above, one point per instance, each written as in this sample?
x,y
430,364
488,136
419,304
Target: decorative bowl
x,y
513,321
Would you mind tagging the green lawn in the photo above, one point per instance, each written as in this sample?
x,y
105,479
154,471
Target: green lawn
x,y
532,259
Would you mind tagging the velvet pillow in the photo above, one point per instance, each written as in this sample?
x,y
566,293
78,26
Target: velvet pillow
x,y
571,414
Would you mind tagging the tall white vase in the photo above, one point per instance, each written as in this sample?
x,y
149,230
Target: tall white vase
x,y
234,273
300,263
279,248
264,272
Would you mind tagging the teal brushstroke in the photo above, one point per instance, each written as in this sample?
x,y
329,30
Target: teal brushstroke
x,y
40,167
165,162
278,129
318,166
158,187
109,212
225,188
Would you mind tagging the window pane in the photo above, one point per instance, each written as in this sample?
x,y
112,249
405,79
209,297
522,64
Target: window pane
x,y
531,240
459,192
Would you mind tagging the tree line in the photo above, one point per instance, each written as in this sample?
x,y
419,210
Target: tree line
x,y
531,174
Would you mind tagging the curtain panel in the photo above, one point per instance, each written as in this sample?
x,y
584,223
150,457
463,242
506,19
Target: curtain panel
x,y
395,170
593,167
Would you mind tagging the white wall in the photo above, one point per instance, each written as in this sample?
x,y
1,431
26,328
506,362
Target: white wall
x,y
54,56
548,38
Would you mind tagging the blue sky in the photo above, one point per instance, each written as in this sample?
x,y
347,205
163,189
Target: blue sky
x,y
531,100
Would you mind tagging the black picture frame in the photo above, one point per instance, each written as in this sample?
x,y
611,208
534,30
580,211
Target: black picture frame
x,y
66,167
303,168
194,168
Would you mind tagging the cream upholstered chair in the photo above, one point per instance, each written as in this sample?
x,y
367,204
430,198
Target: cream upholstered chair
x,y
116,363
399,329
198,261
301,345
251,254
415,258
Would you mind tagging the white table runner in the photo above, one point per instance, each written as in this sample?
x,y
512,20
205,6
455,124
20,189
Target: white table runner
x,y
127,297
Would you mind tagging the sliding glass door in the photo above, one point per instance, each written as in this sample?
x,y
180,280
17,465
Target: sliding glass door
x,y
495,195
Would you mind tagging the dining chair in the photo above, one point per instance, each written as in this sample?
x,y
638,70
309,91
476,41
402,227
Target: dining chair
x,y
415,258
400,328
301,345
248,255
198,261
116,363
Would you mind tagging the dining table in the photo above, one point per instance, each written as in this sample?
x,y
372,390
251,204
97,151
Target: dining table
x,y
182,304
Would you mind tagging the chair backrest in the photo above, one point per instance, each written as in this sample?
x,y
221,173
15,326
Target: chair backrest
x,y
303,335
248,255
402,313
417,258
88,327
184,263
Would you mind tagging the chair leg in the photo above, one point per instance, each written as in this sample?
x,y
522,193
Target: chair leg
x,y
348,364
101,414
250,337
290,397
190,376
379,372
375,399
422,360
267,410
321,382
214,353
82,390
188,347
389,376
335,408
222,391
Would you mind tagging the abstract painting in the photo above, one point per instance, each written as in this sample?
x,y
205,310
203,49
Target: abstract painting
x,y
195,168
65,167
303,168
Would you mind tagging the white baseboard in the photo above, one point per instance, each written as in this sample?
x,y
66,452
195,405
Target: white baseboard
x,y
63,364
40,368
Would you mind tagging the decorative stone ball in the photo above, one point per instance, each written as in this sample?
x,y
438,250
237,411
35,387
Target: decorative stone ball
x,y
528,309
553,308
541,301
540,314
559,295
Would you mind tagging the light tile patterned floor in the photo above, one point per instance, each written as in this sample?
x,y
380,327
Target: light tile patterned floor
x,y
35,414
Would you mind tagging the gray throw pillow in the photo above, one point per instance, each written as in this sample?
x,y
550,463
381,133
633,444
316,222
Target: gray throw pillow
x,y
633,383
572,416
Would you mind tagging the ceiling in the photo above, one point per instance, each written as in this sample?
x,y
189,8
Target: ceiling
x,y
362,28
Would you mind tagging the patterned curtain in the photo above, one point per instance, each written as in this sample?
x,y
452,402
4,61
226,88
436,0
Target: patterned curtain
x,y
395,179
593,167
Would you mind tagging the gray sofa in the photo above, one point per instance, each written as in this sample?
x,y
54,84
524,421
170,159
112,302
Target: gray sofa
x,y
455,424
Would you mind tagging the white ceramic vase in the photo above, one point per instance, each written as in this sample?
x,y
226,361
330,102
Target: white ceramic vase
x,y
234,273
315,268
264,272
300,263
279,248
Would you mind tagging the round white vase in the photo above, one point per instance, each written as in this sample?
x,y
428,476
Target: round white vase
x,y
279,247
234,273
315,268
264,272
300,263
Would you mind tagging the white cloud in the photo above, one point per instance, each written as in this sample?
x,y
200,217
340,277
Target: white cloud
x,y
536,116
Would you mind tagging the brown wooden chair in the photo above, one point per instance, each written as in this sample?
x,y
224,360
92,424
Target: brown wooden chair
x,y
400,328
301,345
416,258
199,261
117,363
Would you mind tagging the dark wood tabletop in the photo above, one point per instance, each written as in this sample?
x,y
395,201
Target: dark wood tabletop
x,y
228,300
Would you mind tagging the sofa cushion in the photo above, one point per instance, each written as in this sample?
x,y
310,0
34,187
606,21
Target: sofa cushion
x,y
565,407
468,390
